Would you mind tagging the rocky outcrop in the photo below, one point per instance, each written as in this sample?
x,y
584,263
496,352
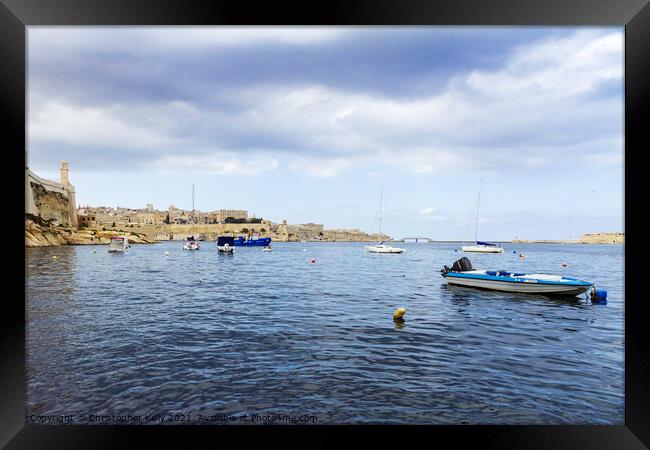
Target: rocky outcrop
x,y
43,233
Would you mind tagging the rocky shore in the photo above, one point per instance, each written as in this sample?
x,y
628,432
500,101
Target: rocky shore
x,y
42,233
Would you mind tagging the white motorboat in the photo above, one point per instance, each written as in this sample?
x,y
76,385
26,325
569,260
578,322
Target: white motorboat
x,y
226,244
463,274
119,244
380,247
191,244
481,247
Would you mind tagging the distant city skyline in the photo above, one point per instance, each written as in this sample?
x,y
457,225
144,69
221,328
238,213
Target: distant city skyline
x,y
305,123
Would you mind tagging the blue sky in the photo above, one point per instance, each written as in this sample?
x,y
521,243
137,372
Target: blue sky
x,y
305,123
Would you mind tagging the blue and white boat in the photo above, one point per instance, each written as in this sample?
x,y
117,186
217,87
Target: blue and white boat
x,y
463,274
254,241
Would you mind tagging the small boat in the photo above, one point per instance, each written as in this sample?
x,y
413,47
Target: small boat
x,y
481,247
381,248
191,244
254,241
463,274
119,244
226,244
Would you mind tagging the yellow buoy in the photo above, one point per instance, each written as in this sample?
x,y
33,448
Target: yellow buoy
x,y
399,313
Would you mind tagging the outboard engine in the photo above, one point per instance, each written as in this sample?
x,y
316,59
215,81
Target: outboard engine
x,y
462,265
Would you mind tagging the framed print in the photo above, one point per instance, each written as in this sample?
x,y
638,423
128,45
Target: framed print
x,y
366,218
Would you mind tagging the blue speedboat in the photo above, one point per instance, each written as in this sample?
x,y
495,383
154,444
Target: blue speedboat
x,y
463,274
254,241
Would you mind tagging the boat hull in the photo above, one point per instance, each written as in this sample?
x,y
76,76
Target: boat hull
x,y
260,242
482,249
383,249
520,285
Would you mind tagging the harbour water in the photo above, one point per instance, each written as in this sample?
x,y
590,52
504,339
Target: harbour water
x,y
201,337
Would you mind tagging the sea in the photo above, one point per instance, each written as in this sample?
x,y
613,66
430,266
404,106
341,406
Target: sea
x,y
305,335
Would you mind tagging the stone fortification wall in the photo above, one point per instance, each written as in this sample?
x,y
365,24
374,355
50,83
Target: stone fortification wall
x,y
50,200
210,232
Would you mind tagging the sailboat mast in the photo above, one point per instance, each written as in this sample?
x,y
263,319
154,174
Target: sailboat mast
x,y
192,208
381,199
478,204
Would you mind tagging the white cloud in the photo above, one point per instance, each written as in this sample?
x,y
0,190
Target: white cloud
x,y
222,164
321,168
431,214
92,126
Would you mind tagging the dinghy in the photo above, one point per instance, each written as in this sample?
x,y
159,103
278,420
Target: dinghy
x,y
463,274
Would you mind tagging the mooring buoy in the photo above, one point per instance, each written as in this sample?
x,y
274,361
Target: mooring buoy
x,y
398,315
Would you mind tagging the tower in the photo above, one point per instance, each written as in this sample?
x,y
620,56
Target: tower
x,y
72,212
64,173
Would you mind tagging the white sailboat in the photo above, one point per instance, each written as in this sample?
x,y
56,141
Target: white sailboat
x,y
380,247
190,243
481,247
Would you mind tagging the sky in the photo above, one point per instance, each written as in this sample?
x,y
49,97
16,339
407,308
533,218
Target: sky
x,y
307,124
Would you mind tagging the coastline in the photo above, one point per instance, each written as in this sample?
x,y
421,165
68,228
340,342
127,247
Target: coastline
x,y
41,233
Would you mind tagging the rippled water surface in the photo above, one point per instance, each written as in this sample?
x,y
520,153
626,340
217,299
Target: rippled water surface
x,y
200,334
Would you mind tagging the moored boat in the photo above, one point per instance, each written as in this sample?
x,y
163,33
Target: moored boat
x,y
463,274
483,247
381,248
191,244
119,244
253,241
226,244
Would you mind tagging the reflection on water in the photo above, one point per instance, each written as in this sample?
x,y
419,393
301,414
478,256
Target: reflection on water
x,y
275,333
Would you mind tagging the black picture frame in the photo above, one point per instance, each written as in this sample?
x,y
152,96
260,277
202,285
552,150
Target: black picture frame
x,y
634,15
